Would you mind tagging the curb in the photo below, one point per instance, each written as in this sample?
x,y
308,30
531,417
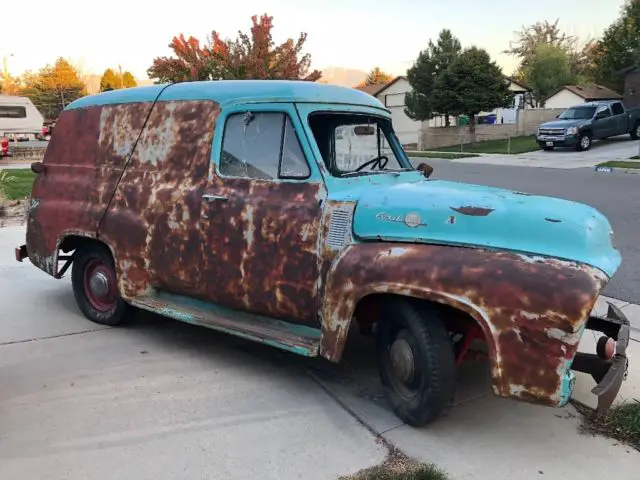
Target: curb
x,y
632,171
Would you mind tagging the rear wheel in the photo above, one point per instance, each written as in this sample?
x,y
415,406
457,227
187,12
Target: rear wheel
x,y
635,133
95,287
416,361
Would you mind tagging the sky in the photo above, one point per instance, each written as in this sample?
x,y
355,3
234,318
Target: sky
x,y
341,33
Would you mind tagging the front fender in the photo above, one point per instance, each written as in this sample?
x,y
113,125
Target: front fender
x,y
532,309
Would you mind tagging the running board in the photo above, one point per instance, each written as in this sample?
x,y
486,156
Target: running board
x,y
295,338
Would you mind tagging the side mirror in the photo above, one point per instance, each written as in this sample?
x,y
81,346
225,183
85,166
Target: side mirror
x,y
38,167
426,170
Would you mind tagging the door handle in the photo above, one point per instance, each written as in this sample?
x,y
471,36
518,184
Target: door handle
x,y
207,197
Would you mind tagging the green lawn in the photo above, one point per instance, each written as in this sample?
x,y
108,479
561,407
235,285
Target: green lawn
x,y
620,164
18,185
445,155
518,145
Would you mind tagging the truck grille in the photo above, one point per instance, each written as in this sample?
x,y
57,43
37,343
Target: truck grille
x,y
552,131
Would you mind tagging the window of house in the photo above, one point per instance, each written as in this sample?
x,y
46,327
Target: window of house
x,y
617,108
10,111
262,145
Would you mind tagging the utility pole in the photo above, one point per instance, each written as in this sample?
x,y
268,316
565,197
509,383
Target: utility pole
x,y
62,98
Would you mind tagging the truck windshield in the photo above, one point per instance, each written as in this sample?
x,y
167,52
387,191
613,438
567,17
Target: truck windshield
x,y
578,113
355,144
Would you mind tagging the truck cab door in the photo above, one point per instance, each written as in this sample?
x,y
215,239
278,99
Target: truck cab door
x,y
603,123
619,120
263,208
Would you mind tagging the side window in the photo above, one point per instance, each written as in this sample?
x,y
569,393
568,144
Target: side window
x,y
262,145
603,112
617,108
293,163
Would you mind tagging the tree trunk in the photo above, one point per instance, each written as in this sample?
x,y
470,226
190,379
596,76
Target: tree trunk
x,y
472,127
447,122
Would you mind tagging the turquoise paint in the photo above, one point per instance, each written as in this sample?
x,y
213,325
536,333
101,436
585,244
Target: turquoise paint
x,y
529,224
567,383
195,312
235,91
125,95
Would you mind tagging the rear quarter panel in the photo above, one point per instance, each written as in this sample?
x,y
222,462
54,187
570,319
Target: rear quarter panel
x,y
84,161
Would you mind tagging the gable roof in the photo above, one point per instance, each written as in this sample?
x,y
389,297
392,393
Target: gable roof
x,y
590,92
372,90
515,82
384,87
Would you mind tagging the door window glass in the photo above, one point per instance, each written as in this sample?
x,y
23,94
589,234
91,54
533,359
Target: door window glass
x,y
262,145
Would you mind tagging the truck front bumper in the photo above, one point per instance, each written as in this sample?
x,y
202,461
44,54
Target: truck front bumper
x,y
607,372
564,141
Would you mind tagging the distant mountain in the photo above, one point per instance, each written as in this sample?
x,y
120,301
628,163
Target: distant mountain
x,y
347,77
93,83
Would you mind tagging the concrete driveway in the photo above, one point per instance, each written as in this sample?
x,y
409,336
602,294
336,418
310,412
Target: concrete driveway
x,y
616,148
160,399
156,400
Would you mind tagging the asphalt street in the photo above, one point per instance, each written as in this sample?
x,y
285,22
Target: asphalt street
x,y
616,195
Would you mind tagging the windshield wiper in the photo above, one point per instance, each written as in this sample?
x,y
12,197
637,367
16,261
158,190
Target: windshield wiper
x,y
376,172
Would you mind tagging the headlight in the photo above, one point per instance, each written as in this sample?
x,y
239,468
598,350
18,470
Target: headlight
x,y
572,131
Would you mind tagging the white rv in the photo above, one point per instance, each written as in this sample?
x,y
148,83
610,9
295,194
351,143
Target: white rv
x,y
19,118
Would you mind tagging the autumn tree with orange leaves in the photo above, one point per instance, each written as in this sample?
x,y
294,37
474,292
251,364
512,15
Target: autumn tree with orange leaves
x,y
249,56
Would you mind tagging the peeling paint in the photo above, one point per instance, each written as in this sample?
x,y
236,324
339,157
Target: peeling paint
x,y
473,211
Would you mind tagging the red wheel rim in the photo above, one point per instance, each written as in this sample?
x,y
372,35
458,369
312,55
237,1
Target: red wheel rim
x,y
100,285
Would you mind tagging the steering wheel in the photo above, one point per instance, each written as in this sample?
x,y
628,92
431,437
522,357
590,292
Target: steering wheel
x,y
380,162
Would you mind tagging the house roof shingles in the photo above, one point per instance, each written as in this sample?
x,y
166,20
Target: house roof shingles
x,y
592,92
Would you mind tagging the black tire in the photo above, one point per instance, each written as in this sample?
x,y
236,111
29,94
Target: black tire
x,y
635,132
431,387
108,309
583,145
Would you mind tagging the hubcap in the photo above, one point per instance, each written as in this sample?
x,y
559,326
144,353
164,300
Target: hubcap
x,y
585,142
638,131
402,361
100,286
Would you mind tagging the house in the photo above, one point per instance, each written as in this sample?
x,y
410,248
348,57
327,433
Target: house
x,y
631,97
571,95
392,96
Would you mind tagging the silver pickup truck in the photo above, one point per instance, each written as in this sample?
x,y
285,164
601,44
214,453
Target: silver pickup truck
x,y
578,126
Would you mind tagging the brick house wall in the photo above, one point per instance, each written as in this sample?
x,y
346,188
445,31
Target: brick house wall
x,y
632,89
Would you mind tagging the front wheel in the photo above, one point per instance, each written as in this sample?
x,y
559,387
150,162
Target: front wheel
x,y
584,142
416,361
635,133
95,287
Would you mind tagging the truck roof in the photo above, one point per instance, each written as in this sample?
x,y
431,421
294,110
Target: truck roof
x,y
232,91
597,103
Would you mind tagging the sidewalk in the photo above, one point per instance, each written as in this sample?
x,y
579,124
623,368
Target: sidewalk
x,y
619,148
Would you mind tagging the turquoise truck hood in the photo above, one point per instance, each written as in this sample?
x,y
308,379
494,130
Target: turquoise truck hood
x,y
454,213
